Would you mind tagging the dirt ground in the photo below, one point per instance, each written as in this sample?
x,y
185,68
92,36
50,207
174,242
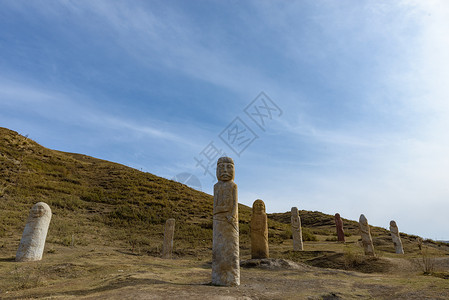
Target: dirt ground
x,y
108,273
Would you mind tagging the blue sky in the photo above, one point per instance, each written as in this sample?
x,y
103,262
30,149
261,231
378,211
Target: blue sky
x,y
361,87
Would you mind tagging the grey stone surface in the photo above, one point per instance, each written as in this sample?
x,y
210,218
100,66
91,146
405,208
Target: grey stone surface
x,y
169,232
32,244
296,230
225,246
394,230
365,233
259,231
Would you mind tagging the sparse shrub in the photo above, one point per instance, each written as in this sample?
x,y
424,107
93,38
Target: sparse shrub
x,y
419,241
286,234
308,236
27,277
426,262
243,228
207,225
331,239
321,231
352,259
70,203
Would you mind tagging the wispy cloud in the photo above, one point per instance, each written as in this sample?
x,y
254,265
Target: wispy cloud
x,y
76,110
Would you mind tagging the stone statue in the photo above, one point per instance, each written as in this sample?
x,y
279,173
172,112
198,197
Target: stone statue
x,y
419,242
259,231
296,230
225,246
367,241
396,238
169,232
339,225
32,244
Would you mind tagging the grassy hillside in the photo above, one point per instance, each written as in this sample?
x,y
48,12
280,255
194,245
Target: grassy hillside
x,y
100,202
96,201
106,234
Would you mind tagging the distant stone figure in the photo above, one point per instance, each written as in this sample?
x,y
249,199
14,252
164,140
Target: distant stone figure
x,y
365,233
396,238
225,246
32,244
259,231
296,230
169,232
419,242
339,225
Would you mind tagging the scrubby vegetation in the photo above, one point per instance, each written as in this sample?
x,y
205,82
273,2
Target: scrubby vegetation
x,y
98,205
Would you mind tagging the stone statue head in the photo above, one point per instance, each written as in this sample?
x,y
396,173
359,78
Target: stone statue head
x,y
258,207
170,222
225,169
294,214
39,209
393,224
363,220
295,211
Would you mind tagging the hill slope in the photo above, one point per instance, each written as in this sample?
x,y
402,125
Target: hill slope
x,y
92,199
100,202
106,233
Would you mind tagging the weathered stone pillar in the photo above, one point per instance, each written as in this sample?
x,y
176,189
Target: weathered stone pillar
x,y
225,246
259,231
296,230
365,233
169,232
339,226
32,244
396,238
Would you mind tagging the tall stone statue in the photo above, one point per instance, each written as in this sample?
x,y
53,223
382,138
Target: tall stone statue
x,y
365,233
32,244
396,238
259,231
225,246
169,232
296,230
339,225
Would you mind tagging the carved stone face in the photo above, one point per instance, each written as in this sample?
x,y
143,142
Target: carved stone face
x,y
225,171
363,220
258,207
393,224
294,211
37,211
295,215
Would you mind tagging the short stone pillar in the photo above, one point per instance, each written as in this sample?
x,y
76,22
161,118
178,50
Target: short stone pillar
x,y
225,244
259,231
169,232
296,230
396,238
32,244
365,233
339,226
